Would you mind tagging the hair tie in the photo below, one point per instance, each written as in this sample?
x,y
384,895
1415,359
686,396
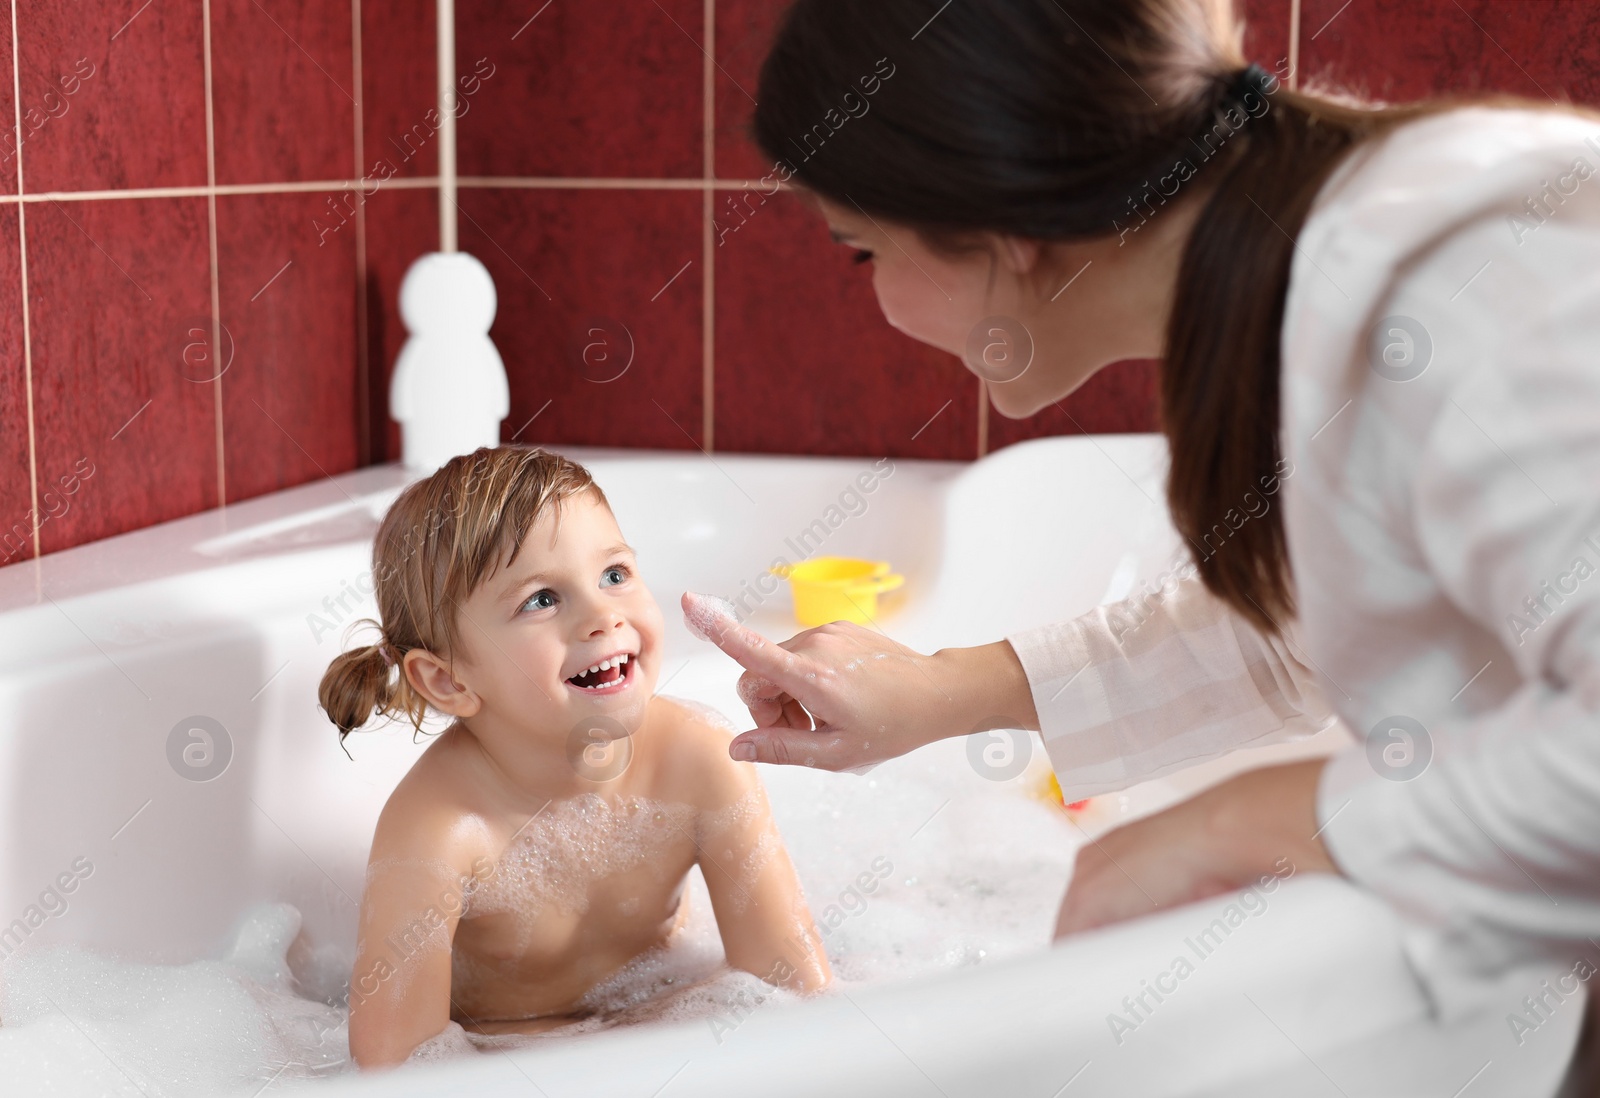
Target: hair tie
x,y
1251,78
383,651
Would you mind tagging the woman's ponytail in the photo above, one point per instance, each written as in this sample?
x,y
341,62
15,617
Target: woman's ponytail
x,y
1071,120
1220,375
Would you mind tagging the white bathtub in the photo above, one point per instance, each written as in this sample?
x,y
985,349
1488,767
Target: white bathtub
x,y
233,616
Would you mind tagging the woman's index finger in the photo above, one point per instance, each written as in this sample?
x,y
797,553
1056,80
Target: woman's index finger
x,y
712,619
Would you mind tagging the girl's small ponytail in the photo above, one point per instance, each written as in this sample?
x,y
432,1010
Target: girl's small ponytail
x,y
359,683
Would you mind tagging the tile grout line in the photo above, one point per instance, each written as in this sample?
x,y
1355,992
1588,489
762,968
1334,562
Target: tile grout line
x,y
623,183
444,94
364,431
983,417
22,270
414,183
224,189
1294,45
216,281
708,246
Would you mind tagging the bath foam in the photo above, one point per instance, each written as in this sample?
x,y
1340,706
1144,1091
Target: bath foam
x,y
754,688
722,827
710,617
736,813
425,931
708,713
573,844
978,868
441,871
975,872
692,954
444,888
768,845
685,979
77,1023
971,871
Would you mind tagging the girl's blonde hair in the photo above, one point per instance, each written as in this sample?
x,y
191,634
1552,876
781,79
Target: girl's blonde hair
x,y
442,538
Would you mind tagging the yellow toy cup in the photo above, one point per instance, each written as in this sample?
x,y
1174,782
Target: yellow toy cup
x,y
838,588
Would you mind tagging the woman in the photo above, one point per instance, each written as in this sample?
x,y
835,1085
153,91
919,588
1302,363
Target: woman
x,y
1385,320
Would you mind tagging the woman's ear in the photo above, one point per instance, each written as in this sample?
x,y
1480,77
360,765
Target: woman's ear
x,y
1020,253
430,676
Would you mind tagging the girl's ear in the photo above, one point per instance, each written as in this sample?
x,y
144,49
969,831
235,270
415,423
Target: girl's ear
x,y
430,676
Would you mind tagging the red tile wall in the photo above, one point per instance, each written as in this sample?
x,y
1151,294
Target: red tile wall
x,y
588,147
192,300
203,234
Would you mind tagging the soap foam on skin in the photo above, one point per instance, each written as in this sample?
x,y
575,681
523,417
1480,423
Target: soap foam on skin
x,y
978,871
721,827
572,844
709,616
707,713
425,931
754,689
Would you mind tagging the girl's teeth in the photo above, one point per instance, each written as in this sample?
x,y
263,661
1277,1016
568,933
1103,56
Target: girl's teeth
x,y
606,665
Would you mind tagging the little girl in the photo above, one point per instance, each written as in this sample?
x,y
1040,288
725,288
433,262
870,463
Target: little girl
x,y
543,840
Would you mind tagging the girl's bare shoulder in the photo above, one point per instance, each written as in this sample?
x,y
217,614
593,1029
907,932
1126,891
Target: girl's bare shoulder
x,y
690,748
432,811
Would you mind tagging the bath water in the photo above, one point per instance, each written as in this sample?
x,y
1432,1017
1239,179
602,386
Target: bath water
x,y
922,865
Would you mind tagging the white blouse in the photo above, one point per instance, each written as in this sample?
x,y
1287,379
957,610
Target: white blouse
x,y
1441,494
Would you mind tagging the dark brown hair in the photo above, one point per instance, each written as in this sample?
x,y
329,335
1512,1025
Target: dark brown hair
x,y
441,539
1062,120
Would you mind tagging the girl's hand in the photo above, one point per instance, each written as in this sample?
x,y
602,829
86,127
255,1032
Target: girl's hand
x,y
1257,824
841,697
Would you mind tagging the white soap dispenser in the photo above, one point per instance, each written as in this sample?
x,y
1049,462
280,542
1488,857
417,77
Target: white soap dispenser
x,y
449,393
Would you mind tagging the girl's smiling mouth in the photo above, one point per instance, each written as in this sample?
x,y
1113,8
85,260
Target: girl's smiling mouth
x,y
610,676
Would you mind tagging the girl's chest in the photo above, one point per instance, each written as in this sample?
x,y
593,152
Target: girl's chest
x,y
587,868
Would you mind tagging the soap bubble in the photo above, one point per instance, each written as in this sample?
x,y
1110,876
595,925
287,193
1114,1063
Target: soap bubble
x,y
753,688
709,616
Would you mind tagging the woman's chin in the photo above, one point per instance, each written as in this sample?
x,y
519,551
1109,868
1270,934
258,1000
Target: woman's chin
x,y
1014,403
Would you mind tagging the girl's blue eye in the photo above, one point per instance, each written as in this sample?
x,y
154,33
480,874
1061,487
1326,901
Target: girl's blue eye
x,y
540,600
862,256
614,575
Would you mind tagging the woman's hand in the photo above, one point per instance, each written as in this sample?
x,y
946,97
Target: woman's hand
x,y
1257,824
841,697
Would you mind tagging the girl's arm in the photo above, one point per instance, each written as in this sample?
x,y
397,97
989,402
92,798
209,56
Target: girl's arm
x,y
400,988
765,922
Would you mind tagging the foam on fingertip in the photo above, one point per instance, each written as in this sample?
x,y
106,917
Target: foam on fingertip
x,y
708,616
751,690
